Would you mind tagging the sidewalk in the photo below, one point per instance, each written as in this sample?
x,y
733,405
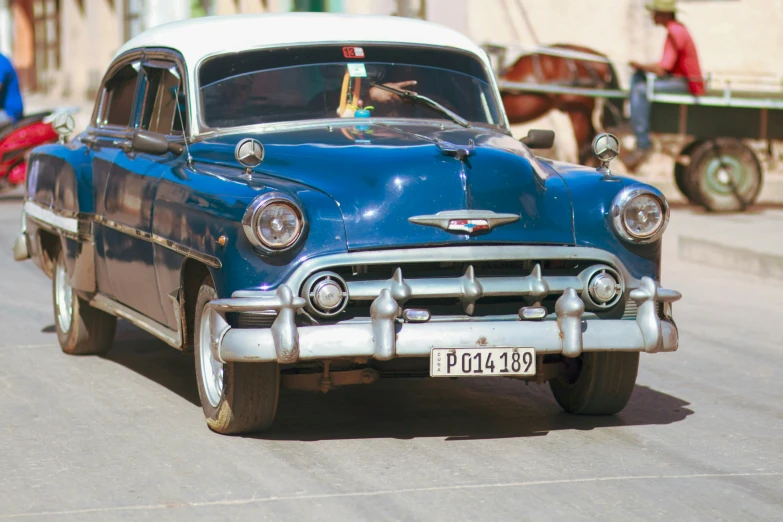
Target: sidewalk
x,y
749,242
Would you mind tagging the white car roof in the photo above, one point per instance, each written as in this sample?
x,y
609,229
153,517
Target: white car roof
x,y
199,38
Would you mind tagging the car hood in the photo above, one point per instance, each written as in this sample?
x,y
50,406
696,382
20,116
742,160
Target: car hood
x,y
382,174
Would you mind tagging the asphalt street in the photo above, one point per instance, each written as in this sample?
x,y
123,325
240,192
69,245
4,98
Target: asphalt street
x,y
123,436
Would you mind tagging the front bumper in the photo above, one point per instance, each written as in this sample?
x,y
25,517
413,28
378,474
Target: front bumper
x,y
384,337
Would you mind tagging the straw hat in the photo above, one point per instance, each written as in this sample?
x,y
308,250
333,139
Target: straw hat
x,y
662,6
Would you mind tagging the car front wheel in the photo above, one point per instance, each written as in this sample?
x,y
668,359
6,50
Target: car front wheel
x,y
236,397
81,329
596,383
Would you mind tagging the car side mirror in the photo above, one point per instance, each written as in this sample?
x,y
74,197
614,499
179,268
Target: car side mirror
x,y
153,143
539,139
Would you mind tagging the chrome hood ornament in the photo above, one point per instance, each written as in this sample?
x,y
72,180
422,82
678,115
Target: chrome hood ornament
x,y
249,153
465,221
458,151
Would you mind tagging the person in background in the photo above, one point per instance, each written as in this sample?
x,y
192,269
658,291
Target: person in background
x,y
677,72
11,107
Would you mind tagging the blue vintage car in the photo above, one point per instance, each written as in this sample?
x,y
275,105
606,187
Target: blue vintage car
x,y
311,201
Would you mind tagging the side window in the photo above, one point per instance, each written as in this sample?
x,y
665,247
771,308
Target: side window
x,y
164,108
118,97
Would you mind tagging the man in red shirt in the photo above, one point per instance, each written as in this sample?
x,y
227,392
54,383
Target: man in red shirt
x,y
677,72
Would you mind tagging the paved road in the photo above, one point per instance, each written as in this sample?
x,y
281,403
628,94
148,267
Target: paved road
x,y
123,437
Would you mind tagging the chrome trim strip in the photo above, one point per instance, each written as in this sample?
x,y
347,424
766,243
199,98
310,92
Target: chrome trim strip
x,y
171,337
125,229
78,225
186,251
466,253
51,217
162,241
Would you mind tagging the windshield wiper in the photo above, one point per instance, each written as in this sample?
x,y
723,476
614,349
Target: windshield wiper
x,y
408,95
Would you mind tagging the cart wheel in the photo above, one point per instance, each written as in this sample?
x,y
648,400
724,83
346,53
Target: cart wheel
x,y
724,175
680,179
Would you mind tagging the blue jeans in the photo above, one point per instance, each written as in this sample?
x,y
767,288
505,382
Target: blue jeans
x,y
640,105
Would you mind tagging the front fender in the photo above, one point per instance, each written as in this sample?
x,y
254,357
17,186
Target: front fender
x,y
592,194
195,207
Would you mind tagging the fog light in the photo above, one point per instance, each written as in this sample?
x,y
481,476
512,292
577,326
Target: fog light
x,y
327,294
532,312
603,288
416,315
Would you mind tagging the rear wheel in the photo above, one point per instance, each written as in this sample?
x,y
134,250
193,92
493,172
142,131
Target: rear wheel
x,y
81,329
724,175
596,383
236,397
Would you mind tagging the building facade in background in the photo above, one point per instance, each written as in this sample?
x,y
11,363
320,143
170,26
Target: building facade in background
x,y
62,47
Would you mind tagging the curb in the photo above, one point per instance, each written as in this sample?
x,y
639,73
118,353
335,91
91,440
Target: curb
x,y
771,191
731,258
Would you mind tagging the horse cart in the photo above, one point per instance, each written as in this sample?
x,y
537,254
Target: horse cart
x,y
720,141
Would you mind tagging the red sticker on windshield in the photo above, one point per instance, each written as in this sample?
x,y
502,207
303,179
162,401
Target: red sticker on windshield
x,y
353,52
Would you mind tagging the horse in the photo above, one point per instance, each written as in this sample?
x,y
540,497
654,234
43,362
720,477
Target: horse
x,y
543,68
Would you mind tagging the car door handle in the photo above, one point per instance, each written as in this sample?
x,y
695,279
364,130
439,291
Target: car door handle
x,y
125,145
90,141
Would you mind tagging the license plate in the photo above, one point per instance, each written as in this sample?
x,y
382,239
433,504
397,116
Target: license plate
x,y
482,362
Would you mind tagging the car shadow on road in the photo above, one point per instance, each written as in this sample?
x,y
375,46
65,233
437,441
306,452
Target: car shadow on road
x,y
464,409
152,358
459,409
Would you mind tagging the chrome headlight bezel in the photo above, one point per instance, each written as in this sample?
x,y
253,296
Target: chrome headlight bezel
x,y
253,214
619,206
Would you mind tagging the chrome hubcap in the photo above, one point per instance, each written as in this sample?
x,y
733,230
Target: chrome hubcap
x,y
211,368
63,298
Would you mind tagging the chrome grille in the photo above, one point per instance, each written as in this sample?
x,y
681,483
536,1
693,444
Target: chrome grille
x,y
631,310
256,319
485,288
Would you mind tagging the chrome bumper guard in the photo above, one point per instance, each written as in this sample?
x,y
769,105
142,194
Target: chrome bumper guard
x,y
21,247
383,337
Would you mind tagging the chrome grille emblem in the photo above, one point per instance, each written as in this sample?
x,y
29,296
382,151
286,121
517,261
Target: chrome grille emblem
x,y
465,221
469,226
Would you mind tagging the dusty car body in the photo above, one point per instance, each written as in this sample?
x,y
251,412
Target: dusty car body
x,y
299,213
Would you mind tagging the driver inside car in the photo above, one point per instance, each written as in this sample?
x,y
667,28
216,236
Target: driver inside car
x,y
358,92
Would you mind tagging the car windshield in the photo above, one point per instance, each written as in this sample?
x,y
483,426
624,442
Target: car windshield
x,y
343,82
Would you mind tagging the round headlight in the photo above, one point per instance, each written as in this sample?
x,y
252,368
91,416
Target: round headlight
x,y
273,221
643,216
639,215
278,225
